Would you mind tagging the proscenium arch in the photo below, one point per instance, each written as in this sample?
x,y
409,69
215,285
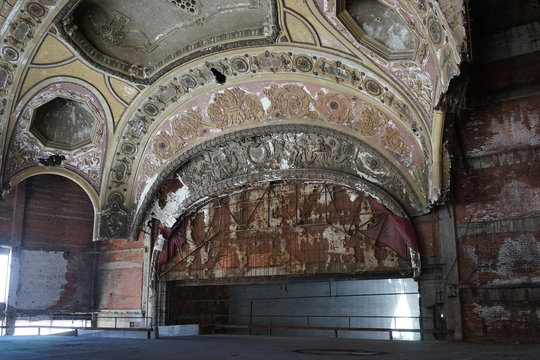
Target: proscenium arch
x,y
76,178
265,95
347,162
163,98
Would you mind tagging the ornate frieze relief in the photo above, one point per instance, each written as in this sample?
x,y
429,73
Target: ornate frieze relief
x,y
285,101
280,151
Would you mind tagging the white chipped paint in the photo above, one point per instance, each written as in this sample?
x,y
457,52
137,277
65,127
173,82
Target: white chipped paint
x,y
159,243
174,207
492,314
42,279
352,195
204,253
519,254
336,242
265,103
206,215
147,186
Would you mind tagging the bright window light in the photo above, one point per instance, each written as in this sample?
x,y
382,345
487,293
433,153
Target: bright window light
x,y
4,274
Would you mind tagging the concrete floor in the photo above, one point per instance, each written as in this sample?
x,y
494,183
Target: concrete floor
x,y
255,347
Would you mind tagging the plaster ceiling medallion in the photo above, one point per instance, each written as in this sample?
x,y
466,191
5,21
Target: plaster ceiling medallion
x,y
379,27
64,124
141,42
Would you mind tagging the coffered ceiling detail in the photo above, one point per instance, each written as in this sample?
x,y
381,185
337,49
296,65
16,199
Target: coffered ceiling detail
x,y
64,124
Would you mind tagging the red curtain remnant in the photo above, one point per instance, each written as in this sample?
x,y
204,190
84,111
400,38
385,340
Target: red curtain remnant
x,y
174,238
393,231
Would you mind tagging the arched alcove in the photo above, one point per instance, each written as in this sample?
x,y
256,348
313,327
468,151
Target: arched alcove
x,y
52,249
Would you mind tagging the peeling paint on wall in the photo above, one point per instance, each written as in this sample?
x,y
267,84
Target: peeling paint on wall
x,y
42,279
492,315
281,229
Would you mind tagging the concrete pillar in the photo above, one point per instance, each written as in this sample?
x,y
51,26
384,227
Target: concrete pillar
x,y
17,228
452,303
431,299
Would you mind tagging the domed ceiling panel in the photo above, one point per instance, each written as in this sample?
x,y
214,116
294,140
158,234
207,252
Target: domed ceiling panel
x,y
63,120
139,41
381,28
63,124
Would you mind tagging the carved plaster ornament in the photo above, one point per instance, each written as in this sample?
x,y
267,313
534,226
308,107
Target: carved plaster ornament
x,y
282,152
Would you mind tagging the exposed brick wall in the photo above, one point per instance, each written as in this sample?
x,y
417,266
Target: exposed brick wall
x,y
119,275
56,227
57,212
496,190
55,248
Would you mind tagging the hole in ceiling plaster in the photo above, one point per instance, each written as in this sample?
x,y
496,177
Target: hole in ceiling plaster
x,y
220,78
53,160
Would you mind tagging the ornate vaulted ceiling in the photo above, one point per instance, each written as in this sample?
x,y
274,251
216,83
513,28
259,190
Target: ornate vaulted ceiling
x,y
222,94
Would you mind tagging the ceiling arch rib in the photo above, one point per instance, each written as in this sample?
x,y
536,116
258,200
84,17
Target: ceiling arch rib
x,y
262,103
